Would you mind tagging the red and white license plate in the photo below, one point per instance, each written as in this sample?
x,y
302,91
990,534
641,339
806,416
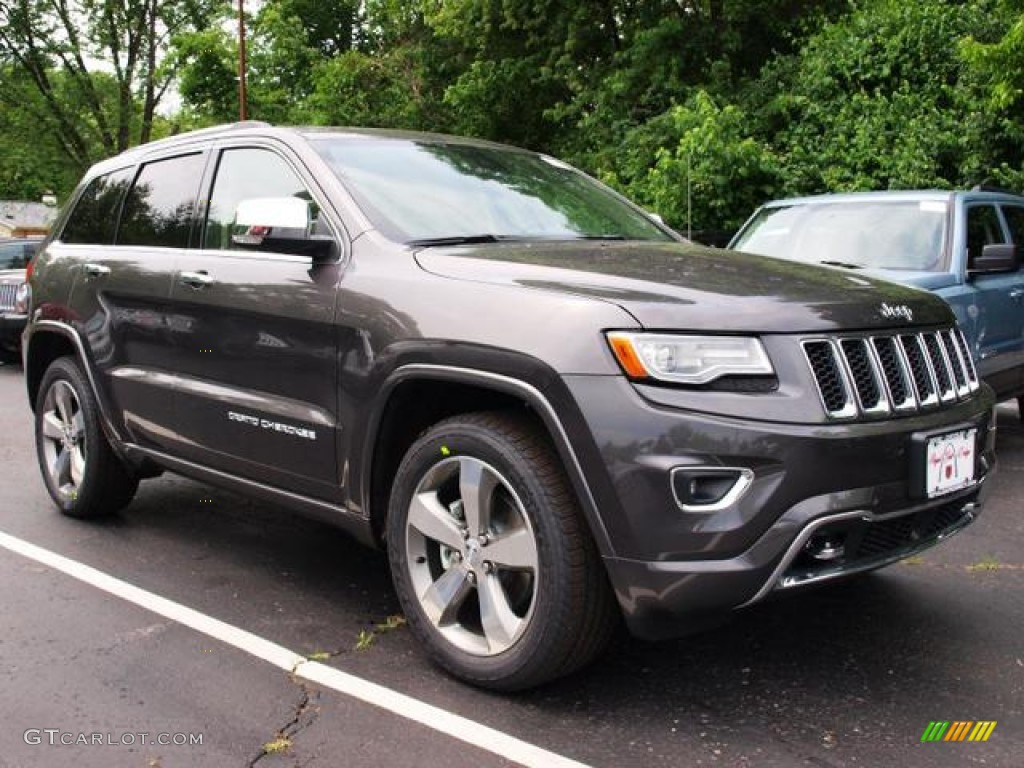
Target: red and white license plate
x,y
949,462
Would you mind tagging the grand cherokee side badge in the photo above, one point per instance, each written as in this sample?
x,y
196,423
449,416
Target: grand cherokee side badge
x,y
893,311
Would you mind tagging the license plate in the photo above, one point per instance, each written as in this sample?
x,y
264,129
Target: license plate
x,y
949,462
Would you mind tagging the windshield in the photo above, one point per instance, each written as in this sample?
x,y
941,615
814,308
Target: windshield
x,y
16,255
906,235
418,192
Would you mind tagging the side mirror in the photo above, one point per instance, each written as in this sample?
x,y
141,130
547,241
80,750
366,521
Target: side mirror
x,y
996,257
278,225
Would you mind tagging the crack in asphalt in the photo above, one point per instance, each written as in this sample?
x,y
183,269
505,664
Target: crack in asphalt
x,y
305,714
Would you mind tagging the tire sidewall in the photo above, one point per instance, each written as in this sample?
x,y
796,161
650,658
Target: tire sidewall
x,y
551,590
67,371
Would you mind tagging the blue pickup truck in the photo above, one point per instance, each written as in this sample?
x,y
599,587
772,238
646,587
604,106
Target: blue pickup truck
x,y
966,246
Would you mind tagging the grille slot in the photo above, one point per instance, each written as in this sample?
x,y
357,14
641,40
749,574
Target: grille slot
x,y
866,381
965,355
876,375
919,370
834,392
895,370
8,292
939,365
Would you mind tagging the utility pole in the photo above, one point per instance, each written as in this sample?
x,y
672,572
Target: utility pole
x,y
243,99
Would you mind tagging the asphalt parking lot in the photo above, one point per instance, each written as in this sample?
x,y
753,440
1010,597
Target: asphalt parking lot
x,y
849,675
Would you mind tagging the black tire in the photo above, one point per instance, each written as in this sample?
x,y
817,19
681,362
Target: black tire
x,y
83,475
549,608
10,355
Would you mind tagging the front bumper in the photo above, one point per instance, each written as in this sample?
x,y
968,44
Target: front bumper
x,y
11,327
676,571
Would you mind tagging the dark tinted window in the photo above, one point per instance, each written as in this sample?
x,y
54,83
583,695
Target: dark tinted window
x,y
159,207
1015,218
983,228
16,255
244,174
94,218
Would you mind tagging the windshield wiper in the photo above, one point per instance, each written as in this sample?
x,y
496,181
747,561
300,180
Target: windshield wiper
x,y
600,237
844,264
428,242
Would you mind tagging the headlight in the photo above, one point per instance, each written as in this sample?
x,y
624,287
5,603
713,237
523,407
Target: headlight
x,y
688,359
22,299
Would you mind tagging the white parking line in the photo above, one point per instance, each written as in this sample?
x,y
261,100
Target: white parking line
x,y
479,735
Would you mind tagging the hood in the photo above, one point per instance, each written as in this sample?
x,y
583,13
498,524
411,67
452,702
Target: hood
x,y
931,281
12,275
677,286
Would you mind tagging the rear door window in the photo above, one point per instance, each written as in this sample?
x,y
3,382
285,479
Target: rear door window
x,y
160,207
94,218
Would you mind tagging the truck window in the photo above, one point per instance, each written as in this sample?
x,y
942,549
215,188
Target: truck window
x,y
159,207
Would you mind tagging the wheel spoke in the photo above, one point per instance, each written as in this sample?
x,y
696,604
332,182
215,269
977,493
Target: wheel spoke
x,y
445,596
499,623
476,487
63,399
516,549
60,470
78,425
77,465
52,427
428,516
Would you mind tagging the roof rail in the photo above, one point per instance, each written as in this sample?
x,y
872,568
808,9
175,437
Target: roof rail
x,y
986,187
216,129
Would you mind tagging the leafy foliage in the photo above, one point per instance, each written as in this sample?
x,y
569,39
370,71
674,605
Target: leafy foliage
x,y
881,99
700,109
707,173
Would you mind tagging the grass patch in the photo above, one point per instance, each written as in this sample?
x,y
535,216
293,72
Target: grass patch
x,y
987,563
278,746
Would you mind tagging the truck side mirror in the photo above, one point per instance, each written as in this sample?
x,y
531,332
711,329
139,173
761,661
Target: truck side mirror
x,y
278,224
995,257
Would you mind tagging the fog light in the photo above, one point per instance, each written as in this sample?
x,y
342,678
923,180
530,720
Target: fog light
x,y
826,547
709,489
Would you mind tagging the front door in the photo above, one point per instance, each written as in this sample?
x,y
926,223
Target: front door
x,y
254,343
1000,346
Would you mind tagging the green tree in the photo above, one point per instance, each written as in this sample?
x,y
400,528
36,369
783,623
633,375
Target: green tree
x,y
32,162
882,99
697,165
999,67
94,110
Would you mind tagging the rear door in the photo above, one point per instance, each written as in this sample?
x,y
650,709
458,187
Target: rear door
x,y
254,344
124,236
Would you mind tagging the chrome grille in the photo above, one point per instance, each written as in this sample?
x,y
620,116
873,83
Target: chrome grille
x,y
7,293
903,373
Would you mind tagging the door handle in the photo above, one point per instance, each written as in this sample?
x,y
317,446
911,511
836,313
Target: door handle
x,y
1017,294
195,280
96,270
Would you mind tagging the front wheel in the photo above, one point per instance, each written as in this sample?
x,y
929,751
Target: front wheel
x,y
496,571
84,476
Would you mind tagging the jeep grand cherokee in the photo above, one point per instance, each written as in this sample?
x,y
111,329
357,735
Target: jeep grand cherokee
x,y
550,410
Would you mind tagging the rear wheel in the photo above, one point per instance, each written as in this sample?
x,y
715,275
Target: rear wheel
x,y
82,474
495,569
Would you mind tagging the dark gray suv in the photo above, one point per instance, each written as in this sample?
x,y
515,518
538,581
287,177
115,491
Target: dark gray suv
x,y
549,409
